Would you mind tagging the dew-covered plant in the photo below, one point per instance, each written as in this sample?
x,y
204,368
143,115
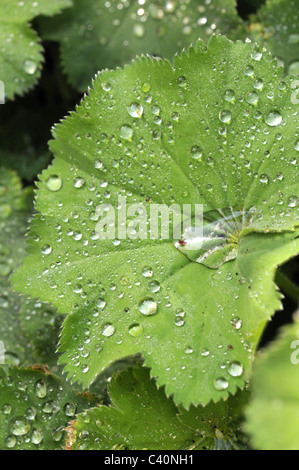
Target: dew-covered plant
x,y
163,229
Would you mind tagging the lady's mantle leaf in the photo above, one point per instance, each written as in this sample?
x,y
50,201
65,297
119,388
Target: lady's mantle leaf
x,y
142,417
207,131
95,34
35,408
21,52
272,416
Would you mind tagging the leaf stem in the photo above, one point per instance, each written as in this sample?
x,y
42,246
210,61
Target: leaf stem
x,y
287,285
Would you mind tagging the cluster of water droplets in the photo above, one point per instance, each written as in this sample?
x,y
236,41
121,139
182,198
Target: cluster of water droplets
x,y
35,414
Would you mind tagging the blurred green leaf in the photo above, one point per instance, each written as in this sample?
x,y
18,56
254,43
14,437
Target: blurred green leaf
x,y
273,414
95,35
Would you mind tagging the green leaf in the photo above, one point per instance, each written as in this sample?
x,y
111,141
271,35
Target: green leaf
x,y
272,416
205,323
142,417
35,408
21,52
95,35
276,25
15,206
42,325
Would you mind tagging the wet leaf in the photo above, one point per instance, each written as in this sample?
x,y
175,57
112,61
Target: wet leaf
x,y
15,207
195,321
35,408
276,25
95,35
142,417
272,416
21,52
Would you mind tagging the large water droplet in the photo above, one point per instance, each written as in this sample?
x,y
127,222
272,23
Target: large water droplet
x,y
20,427
54,183
135,110
220,384
37,436
148,307
216,240
235,369
135,330
225,117
30,67
125,132
273,119
41,389
108,330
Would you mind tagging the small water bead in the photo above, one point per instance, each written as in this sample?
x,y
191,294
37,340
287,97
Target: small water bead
x,y
236,323
188,350
179,320
273,119
294,39
138,30
48,407
30,67
235,369
156,11
225,117
20,427
108,330
98,164
30,414
182,81
148,307
46,249
7,409
41,389
249,71
257,55
101,303
258,84
54,183
205,352
264,179
293,201
146,87
252,97
229,95
196,153
57,434
70,409
106,86
135,110
154,286
125,132
79,183
135,330
11,442
297,146
155,110
37,436
147,272
220,384
170,5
